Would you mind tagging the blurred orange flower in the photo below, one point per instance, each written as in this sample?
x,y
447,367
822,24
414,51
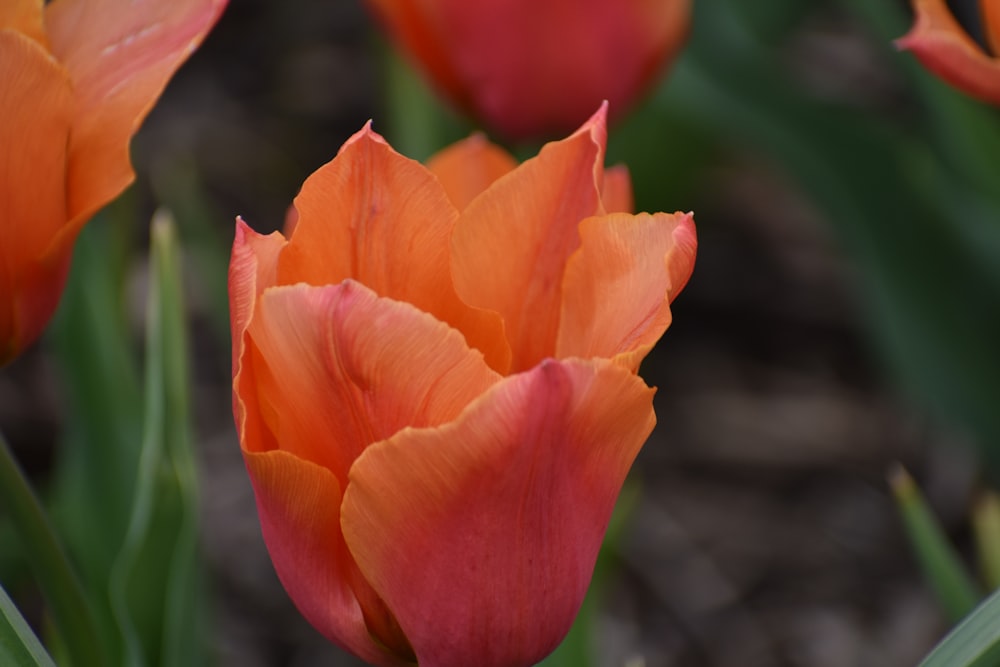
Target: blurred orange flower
x,y
945,48
435,389
537,68
76,79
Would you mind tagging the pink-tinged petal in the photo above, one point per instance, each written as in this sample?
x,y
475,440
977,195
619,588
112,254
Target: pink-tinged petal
x,y
943,46
36,108
336,368
481,535
298,503
253,266
617,192
384,220
619,284
120,56
25,17
468,167
511,243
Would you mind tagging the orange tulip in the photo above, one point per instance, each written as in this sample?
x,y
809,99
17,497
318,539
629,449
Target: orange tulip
x,y
535,68
76,79
945,48
435,389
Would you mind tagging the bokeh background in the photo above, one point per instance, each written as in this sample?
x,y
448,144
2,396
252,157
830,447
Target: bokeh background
x,y
843,316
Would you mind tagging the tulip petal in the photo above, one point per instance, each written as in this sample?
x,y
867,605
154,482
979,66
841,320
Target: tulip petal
x,y
524,228
25,17
120,56
989,10
36,107
417,26
336,368
253,266
481,535
619,284
535,69
616,195
384,220
468,167
298,503
943,46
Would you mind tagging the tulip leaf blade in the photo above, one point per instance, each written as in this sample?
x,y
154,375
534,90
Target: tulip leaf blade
x,y
19,647
975,642
941,565
155,583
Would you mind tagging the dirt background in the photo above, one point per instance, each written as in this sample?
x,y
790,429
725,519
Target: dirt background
x,y
764,534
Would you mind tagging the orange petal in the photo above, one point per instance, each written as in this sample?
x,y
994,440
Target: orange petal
x,y
337,368
120,56
616,195
299,508
619,284
943,46
511,244
25,17
384,220
481,535
36,108
989,10
468,167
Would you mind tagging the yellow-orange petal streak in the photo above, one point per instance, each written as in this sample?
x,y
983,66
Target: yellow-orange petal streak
x,y
384,220
481,535
943,46
468,167
25,17
511,243
298,503
36,108
619,284
120,56
338,368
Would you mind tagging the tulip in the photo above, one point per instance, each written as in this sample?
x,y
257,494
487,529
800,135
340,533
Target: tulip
x,y
537,68
945,48
434,384
77,77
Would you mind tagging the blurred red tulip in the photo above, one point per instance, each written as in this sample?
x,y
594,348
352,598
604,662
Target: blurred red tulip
x,y
537,68
945,48
436,394
76,79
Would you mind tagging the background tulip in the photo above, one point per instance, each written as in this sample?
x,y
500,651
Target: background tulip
x,y
434,385
945,48
533,69
76,79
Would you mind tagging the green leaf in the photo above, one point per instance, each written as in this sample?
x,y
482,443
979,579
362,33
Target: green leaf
x,y
975,642
19,647
942,567
156,582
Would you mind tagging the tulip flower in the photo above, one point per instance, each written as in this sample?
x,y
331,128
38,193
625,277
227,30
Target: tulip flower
x,y
944,47
537,68
77,77
436,394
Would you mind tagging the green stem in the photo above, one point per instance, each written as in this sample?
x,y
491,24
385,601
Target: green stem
x,y
70,611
